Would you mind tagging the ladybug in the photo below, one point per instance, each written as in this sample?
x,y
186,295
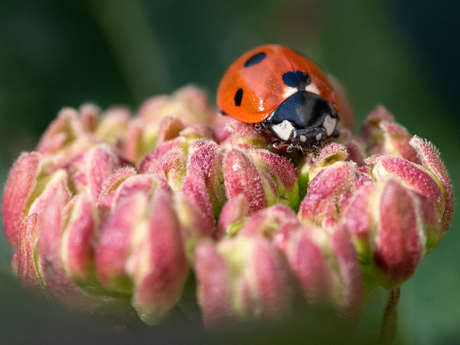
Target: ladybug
x,y
282,93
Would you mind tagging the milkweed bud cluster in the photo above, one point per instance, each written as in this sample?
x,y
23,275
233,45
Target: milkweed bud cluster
x,y
118,210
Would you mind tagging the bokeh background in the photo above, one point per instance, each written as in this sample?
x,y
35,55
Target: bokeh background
x,y
403,54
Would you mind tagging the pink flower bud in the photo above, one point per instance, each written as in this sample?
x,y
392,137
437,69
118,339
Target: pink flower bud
x,y
109,188
101,162
19,187
390,225
430,158
197,173
89,117
325,265
399,246
205,158
27,270
329,192
328,155
355,146
241,278
242,177
62,133
277,169
91,171
372,132
50,232
114,247
138,144
30,192
189,102
232,216
351,296
214,284
113,126
169,161
140,250
384,135
158,264
264,178
128,209
52,184
412,175
242,136
142,138
170,158
198,132
195,213
268,221
397,141
170,128
222,127
78,237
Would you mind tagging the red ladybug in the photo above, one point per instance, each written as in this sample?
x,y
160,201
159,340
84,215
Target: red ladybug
x,y
282,92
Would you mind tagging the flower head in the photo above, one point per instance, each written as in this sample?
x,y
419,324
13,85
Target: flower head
x,y
116,210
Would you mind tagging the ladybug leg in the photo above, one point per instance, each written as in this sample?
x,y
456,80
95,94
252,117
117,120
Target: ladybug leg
x,y
275,145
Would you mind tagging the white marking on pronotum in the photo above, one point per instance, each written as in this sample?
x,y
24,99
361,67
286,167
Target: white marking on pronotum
x,y
289,91
329,124
312,88
303,138
283,129
318,137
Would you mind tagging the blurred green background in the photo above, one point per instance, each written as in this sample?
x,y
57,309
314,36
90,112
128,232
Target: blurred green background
x,y
403,54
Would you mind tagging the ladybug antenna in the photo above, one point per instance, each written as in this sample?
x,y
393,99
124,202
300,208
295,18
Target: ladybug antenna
x,y
298,79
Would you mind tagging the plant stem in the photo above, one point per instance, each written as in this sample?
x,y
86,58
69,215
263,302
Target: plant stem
x,y
390,318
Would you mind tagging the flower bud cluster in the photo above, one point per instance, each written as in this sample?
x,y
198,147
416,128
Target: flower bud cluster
x,y
114,210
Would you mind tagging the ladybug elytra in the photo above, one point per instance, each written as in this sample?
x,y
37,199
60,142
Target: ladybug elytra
x,y
283,93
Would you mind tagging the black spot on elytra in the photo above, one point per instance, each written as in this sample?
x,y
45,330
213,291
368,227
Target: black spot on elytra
x,y
238,97
255,59
298,79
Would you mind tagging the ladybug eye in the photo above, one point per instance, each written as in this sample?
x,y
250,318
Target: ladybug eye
x,y
238,97
255,59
